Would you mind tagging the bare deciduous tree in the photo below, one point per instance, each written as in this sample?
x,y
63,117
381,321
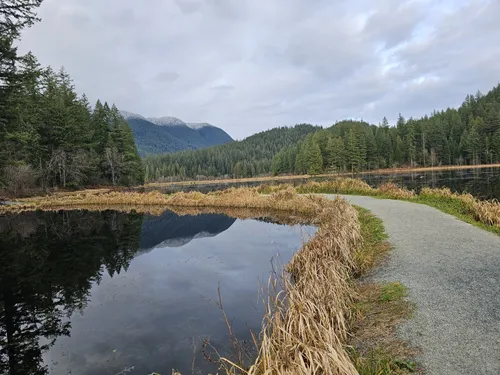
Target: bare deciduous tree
x,y
114,161
20,177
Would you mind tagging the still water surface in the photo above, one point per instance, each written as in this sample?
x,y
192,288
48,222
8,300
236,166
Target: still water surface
x,y
111,293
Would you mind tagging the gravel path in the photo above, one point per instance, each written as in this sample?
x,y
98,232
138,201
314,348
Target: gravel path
x,y
452,270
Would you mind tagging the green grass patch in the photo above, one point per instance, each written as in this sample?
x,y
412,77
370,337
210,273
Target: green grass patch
x,y
379,308
375,245
393,292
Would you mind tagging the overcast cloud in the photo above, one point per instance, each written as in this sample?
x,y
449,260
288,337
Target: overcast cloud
x,y
250,65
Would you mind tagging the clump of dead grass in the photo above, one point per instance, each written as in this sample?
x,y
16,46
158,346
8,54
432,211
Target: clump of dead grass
x,y
272,188
336,186
394,191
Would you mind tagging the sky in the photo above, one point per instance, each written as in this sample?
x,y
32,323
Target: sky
x,y
251,65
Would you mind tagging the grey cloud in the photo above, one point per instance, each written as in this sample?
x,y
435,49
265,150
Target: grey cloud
x,y
250,65
126,17
166,77
395,21
223,86
189,6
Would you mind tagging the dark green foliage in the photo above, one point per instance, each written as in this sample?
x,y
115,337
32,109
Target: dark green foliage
x,y
48,135
448,137
247,158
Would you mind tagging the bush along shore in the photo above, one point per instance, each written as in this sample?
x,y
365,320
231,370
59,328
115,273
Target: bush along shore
x,y
316,302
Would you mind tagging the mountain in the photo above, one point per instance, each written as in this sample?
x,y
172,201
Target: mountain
x,y
213,134
171,230
170,134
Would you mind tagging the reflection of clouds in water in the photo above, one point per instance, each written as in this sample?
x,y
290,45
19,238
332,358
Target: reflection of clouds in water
x,y
151,313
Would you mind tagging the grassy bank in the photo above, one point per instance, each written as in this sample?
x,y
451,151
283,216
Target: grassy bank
x,y
378,309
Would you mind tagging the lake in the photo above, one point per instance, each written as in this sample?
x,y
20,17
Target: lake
x,y
483,183
113,293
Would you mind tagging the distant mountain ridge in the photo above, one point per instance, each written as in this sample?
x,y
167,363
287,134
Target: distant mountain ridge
x,y
159,135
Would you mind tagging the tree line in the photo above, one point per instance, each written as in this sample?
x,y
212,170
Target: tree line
x,y
464,136
49,136
250,157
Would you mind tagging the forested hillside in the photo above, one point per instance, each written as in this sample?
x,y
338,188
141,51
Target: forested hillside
x,y
169,134
48,135
469,135
246,158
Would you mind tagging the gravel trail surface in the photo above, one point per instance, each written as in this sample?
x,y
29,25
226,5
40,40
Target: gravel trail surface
x,y
452,270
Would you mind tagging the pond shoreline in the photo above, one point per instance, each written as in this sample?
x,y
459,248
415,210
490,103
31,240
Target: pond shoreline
x,y
482,213
323,270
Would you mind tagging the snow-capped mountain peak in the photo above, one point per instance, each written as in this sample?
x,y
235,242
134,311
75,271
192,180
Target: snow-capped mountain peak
x,y
167,121
198,125
129,115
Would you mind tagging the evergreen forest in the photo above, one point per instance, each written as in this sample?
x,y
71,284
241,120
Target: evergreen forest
x,y
464,136
49,136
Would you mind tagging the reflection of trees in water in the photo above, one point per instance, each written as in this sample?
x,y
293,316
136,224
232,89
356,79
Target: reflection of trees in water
x,y
48,264
487,187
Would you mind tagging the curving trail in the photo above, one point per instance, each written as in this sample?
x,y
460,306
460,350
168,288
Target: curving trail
x,y
452,270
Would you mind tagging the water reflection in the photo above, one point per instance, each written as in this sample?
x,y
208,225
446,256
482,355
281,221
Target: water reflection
x,y
76,297
48,264
171,230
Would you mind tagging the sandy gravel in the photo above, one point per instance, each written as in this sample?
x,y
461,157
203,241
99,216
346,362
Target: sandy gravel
x,y
452,270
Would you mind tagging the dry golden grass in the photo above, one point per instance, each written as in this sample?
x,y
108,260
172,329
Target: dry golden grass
x,y
96,200
486,212
336,186
394,191
306,325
